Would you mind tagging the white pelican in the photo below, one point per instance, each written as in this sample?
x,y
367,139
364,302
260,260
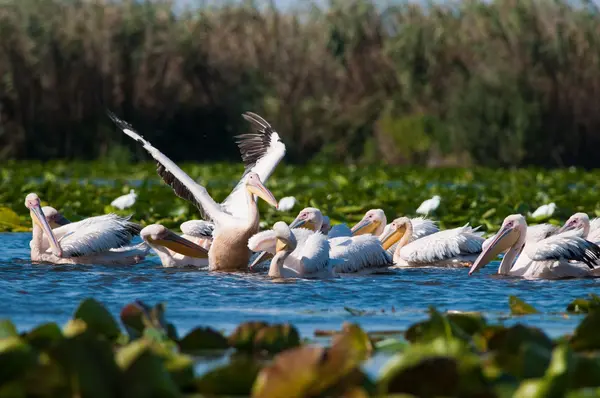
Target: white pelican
x,y
172,249
429,205
237,218
535,233
547,259
125,201
298,253
456,247
287,203
353,254
590,230
544,211
96,240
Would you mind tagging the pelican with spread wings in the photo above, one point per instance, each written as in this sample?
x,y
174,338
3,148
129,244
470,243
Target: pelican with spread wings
x,y
237,218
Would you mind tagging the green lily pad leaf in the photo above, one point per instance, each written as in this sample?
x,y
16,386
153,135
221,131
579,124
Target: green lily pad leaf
x,y
457,371
145,372
580,305
132,318
235,378
522,351
16,357
137,317
243,336
311,370
586,336
276,338
555,382
586,372
89,364
201,339
98,319
181,369
44,336
7,329
436,326
519,307
469,322
391,345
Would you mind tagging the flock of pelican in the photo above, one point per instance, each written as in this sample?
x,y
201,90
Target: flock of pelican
x,y
228,236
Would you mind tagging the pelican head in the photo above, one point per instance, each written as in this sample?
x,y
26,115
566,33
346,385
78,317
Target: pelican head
x,y
372,223
326,225
576,221
396,231
55,219
309,218
158,235
33,203
512,233
286,241
255,186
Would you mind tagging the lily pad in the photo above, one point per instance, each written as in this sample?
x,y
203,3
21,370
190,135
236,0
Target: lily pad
x,y
7,329
586,336
233,379
200,339
44,336
16,357
98,319
584,306
519,307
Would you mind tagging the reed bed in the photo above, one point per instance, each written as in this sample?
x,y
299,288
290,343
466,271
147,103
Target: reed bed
x,y
501,83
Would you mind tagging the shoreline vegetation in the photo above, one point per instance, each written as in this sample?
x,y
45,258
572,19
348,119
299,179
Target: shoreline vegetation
x,y
448,354
495,83
479,196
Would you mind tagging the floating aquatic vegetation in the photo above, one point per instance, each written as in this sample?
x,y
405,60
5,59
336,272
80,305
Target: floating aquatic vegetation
x,y
449,354
478,196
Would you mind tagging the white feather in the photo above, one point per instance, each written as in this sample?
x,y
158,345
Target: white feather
x,y
359,254
197,228
421,227
442,246
339,230
544,211
286,203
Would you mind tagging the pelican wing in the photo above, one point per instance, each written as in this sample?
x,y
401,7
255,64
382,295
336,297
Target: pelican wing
x,y
198,229
423,226
443,245
266,241
314,253
95,235
261,151
567,245
183,185
536,233
594,234
357,253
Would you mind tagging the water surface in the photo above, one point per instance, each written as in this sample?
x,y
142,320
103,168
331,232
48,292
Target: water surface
x,y
34,293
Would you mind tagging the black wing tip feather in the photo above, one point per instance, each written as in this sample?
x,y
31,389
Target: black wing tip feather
x,y
256,120
255,144
122,124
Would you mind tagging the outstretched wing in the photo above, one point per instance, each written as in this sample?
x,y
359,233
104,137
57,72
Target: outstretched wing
x,y
567,245
183,185
261,151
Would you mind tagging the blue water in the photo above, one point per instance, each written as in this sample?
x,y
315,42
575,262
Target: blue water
x,y
31,294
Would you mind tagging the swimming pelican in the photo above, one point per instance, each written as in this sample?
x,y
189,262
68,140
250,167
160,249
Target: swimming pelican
x,y
237,218
429,205
547,259
544,211
125,201
535,233
83,242
590,230
172,249
353,254
298,253
456,247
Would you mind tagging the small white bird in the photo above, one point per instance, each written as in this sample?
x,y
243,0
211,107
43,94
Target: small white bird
x,y
429,206
544,211
287,203
125,201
